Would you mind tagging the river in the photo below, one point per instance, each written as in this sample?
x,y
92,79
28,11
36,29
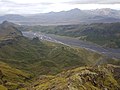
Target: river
x,y
111,53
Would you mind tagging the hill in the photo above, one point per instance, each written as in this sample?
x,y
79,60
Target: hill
x,y
82,78
22,59
44,57
8,30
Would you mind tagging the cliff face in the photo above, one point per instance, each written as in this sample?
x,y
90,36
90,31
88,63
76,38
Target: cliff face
x,y
8,30
104,77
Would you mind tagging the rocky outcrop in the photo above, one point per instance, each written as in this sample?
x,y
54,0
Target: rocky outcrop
x,y
7,42
104,77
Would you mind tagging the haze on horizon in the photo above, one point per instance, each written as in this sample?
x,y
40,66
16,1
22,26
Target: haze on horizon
x,y
40,6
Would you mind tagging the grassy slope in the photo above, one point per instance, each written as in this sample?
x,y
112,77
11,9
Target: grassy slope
x,y
8,30
12,78
43,57
82,78
22,59
106,34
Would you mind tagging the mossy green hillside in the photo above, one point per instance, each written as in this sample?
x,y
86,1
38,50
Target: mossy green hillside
x,y
42,57
82,78
12,78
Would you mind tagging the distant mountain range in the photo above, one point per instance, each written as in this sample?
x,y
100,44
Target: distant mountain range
x,y
74,16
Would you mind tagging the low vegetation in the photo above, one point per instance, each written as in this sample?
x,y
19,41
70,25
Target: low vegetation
x,y
33,64
82,78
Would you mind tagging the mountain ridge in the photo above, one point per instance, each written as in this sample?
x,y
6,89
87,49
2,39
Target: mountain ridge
x,y
8,29
73,16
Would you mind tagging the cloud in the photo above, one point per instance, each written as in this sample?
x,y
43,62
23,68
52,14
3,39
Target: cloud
x,y
43,6
93,2
11,7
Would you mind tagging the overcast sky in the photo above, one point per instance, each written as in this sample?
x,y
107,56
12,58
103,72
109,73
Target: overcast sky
x,y
43,6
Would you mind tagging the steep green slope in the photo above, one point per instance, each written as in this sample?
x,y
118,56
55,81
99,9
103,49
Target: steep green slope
x,y
44,57
22,59
8,30
12,78
105,34
26,59
82,78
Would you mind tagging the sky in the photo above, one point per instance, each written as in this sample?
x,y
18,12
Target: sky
x,y
44,6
